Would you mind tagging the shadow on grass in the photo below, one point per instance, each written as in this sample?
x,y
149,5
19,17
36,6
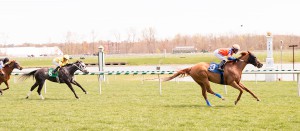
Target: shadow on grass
x,y
46,99
198,106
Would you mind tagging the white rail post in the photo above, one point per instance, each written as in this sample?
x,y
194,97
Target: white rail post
x,y
45,88
298,81
100,85
159,84
101,65
225,89
270,59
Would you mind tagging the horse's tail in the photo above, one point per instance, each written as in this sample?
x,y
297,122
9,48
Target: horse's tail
x,y
27,75
181,73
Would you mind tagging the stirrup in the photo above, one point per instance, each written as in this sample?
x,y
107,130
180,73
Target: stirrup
x,y
220,69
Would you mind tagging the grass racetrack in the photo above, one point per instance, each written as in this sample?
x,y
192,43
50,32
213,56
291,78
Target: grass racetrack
x,y
127,104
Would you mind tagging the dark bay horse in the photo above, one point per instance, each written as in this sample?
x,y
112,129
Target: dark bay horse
x,y
7,69
65,75
232,75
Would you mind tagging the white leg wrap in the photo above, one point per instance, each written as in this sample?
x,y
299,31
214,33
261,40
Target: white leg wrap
x,y
42,97
29,93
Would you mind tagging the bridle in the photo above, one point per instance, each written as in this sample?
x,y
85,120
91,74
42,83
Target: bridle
x,y
80,67
250,60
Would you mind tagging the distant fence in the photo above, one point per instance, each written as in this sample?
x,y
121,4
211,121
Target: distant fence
x,y
157,72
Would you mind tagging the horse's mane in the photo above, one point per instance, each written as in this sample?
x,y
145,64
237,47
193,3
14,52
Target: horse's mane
x,y
243,54
6,64
69,64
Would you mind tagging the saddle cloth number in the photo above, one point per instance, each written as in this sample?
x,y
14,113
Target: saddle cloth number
x,y
51,74
212,67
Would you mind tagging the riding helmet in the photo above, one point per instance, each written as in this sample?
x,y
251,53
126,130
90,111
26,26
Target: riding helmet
x,y
236,46
66,57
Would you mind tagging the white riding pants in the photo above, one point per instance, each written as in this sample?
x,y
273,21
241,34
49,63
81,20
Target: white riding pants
x,y
221,57
55,63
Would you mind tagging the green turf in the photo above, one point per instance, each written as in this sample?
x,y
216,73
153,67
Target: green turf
x,y
158,59
127,104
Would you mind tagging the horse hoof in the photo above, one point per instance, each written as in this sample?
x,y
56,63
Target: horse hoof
x,y
27,97
86,93
258,99
223,99
235,102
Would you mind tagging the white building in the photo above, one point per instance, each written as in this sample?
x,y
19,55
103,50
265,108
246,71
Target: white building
x,y
30,51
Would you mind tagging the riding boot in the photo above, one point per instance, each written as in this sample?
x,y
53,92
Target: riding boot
x,y
55,70
221,65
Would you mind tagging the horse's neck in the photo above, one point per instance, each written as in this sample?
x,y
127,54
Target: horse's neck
x,y
72,69
241,65
8,70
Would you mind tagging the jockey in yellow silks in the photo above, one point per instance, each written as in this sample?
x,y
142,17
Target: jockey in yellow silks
x,y
222,53
60,61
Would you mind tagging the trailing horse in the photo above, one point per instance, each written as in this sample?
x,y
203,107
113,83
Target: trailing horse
x,y
65,75
232,75
7,69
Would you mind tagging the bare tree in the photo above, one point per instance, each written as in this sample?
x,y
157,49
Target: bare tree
x,y
131,37
66,49
149,38
117,43
93,41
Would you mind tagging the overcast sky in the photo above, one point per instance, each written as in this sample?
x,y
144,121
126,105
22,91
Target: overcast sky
x,y
43,21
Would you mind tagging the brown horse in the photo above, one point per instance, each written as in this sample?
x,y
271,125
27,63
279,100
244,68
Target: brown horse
x,y
7,69
232,75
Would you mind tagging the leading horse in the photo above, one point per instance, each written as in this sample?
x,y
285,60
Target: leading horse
x,y
7,69
232,75
65,75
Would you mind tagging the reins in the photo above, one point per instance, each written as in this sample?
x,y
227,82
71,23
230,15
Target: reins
x,y
80,68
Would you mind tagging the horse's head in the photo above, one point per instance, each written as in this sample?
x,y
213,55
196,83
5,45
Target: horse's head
x,y
81,66
249,58
14,65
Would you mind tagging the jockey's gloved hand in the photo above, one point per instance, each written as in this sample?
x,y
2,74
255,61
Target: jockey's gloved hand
x,y
232,58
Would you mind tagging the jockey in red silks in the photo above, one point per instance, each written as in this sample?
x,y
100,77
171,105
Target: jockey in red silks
x,y
222,53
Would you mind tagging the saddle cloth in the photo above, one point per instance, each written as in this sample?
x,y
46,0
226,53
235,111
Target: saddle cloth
x,y
213,67
51,74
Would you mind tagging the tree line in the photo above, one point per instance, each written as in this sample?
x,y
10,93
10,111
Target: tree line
x,y
148,42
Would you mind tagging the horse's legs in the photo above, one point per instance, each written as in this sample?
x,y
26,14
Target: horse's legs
x,y
77,84
236,86
204,93
40,89
70,86
209,90
32,88
1,89
7,86
246,89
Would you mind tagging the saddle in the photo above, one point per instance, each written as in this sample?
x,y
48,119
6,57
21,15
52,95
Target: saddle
x,y
213,67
